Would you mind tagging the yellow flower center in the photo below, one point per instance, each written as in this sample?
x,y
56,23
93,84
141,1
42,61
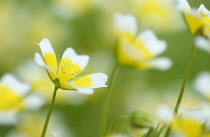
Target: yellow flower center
x,y
68,70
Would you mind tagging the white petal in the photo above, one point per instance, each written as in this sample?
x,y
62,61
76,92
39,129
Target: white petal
x,y
196,114
183,5
39,60
15,85
125,23
8,118
202,43
165,113
34,101
161,63
151,42
85,90
98,80
81,60
202,9
202,83
46,46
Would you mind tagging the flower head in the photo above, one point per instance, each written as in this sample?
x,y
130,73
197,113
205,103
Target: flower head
x,y
68,73
192,124
140,51
40,84
198,20
12,92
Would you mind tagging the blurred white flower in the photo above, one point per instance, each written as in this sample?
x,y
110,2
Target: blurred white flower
x,y
200,114
164,113
202,84
203,43
138,51
192,123
12,96
160,15
75,8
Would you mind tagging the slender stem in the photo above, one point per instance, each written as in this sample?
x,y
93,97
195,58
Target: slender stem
x,y
114,121
176,109
49,112
107,102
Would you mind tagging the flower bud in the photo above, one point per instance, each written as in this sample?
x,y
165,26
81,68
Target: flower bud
x,y
141,119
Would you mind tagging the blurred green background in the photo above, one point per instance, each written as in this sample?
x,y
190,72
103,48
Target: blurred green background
x,y
87,26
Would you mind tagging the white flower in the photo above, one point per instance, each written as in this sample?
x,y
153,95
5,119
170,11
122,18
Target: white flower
x,y
202,43
164,113
12,98
202,84
198,20
138,51
67,75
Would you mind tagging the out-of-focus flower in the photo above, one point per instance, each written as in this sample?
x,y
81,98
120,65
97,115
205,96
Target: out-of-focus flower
x,y
203,43
198,21
202,84
68,75
138,52
75,7
160,15
31,124
192,123
164,113
12,95
40,83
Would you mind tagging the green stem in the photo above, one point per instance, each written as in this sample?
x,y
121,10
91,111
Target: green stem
x,y
176,109
114,121
49,112
107,102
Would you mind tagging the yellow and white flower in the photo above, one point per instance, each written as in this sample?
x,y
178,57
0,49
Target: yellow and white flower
x,y
67,75
138,51
202,84
40,84
192,124
12,93
197,20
